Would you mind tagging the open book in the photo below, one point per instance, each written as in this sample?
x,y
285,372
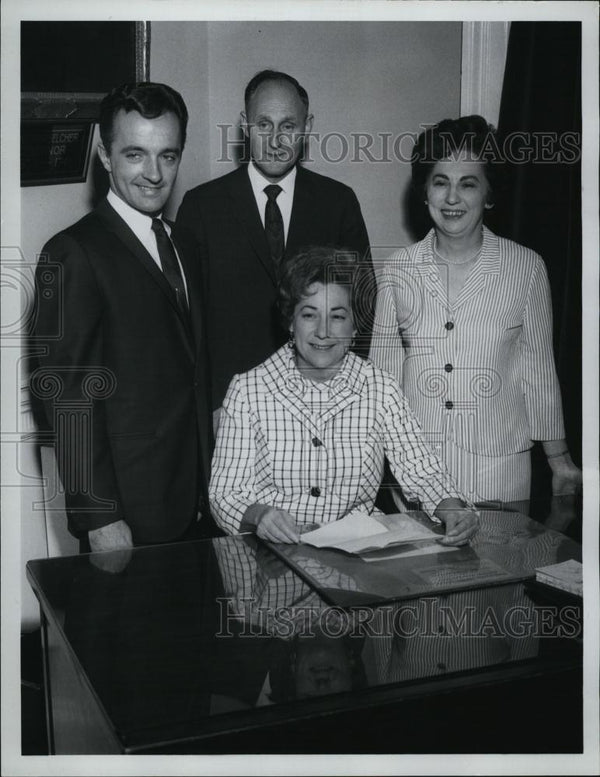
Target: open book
x,y
567,575
360,533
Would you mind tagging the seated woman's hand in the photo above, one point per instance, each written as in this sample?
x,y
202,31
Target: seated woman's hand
x,y
277,526
461,523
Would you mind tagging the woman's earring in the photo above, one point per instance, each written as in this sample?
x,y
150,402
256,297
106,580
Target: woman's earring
x,y
488,205
291,343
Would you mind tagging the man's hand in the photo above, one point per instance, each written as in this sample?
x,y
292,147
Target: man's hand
x,y
114,536
277,526
461,523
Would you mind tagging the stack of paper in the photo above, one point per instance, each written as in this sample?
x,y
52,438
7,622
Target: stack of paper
x,y
568,576
360,533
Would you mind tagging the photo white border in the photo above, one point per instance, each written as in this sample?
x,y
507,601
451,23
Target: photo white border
x,y
13,11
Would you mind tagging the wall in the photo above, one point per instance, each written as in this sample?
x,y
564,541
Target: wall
x,y
190,75
47,209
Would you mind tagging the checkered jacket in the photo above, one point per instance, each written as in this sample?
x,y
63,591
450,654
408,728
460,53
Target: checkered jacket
x,y
317,450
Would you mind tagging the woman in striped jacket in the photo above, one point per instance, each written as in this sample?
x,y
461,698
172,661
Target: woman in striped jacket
x,y
464,322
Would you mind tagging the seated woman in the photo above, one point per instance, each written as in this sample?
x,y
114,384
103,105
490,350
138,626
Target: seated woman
x,y
303,437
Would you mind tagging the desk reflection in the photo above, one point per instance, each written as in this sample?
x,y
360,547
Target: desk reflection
x,y
191,632
507,548
321,649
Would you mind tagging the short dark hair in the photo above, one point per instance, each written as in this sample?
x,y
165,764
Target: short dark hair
x,y
273,75
149,99
467,133
316,264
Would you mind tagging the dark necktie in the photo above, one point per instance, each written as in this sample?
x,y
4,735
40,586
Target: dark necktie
x,y
274,224
170,265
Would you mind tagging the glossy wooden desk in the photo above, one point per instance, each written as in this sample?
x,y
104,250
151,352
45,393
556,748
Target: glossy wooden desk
x,y
219,647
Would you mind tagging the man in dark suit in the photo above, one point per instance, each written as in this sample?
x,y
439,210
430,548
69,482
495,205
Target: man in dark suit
x,y
123,375
245,221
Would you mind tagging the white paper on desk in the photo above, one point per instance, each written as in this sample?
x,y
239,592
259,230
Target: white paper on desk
x,y
359,533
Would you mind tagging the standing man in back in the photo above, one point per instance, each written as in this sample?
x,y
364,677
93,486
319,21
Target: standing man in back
x,y
244,222
123,370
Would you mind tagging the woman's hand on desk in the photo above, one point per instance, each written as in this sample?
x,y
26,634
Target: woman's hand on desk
x,y
460,522
277,526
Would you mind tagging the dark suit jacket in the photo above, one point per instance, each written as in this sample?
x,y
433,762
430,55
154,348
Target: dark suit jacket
x,y
223,218
123,380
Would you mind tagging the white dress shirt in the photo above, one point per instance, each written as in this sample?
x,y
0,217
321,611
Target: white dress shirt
x,y
317,450
285,198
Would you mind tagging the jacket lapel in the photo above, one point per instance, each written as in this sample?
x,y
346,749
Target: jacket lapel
x,y
487,268
193,320
245,210
346,387
426,269
286,385
301,206
117,225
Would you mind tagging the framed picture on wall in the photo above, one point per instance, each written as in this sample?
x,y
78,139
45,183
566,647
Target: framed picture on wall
x,y
68,67
55,152
62,85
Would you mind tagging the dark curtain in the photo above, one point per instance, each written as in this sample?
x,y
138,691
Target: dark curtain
x,y
541,206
